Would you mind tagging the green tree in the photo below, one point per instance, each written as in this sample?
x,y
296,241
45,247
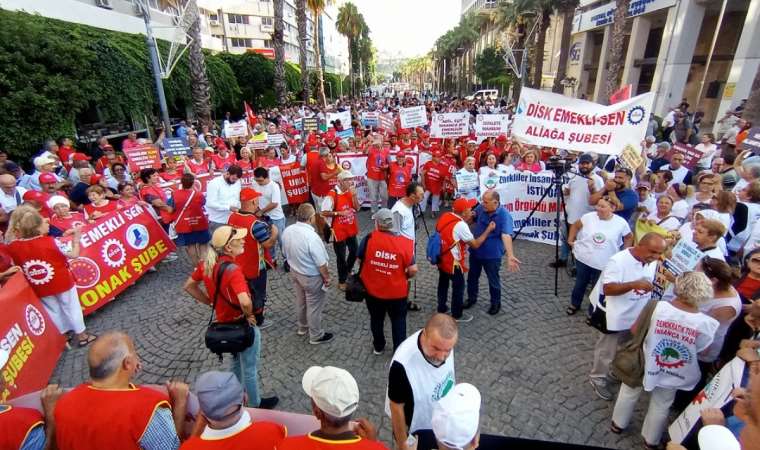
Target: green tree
x,y
490,64
301,20
349,24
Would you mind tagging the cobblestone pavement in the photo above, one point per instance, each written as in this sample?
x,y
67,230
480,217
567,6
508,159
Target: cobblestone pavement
x,y
530,362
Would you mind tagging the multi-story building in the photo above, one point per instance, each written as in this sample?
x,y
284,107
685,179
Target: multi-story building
x,y
704,51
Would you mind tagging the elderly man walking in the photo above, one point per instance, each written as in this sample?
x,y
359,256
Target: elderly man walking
x,y
307,256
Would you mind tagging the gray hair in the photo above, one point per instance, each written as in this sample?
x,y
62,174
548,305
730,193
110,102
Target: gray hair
x,y
110,364
753,169
304,212
693,288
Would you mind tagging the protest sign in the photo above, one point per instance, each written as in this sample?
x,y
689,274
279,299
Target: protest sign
x,y
468,184
684,258
294,183
450,125
520,193
30,343
345,134
370,118
691,155
356,163
386,122
310,123
114,253
630,158
144,156
344,117
491,125
716,394
412,117
236,129
553,120
752,141
274,140
174,147
258,142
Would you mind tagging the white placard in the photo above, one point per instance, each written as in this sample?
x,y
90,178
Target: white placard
x,y
236,129
415,116
450,125
491,125
553,120
345,118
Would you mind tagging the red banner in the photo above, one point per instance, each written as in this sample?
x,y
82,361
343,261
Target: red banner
x,y
624,93
114,253
294,183
30,344
691,155
144,156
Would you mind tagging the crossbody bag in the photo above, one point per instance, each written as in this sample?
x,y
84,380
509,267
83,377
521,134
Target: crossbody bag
x,y
227,337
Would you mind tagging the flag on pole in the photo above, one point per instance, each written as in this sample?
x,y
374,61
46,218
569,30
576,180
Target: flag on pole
x,y
624,93
249,115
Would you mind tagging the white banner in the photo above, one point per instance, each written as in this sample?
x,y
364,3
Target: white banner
x,y
553,120
356,163
386,122
344,117
491,125
412,117
274,140
450,125
519,193
236,129
716,394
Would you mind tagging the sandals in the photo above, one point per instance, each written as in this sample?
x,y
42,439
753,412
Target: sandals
x,y
571,310
89,339
412,306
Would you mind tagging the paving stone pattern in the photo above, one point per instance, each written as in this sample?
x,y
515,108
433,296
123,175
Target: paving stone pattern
x,y
530,362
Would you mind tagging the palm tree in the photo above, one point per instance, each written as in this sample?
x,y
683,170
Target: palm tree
x,y
347,24
279,54
616,58
317,7
544,10
302,49
567,9
366,55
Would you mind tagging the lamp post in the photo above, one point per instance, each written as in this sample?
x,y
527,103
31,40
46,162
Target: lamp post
x,y
151,43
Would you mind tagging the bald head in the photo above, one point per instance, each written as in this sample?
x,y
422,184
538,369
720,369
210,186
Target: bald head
x,y
8,183
107,354
443,325
650,248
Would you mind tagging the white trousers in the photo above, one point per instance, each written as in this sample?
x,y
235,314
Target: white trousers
x,y
378,192
317,203
64,310
657,413
434,204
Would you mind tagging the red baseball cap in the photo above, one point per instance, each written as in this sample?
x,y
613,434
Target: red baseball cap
x,y
248,194
461,204
501,138
80,157
48,177
95,178
35,196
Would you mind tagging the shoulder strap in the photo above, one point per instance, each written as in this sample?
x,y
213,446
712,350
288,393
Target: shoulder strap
x,y
642,323
361,261
18,197
454,220
219,274
184,207
664,219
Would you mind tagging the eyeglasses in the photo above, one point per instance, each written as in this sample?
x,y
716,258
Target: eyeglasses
x,y
232,236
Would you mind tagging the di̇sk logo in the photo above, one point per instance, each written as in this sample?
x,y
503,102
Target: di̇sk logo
x,y
346,165
137,236
34,320
598,238
86,272
671,354
636,115
38,271
113,252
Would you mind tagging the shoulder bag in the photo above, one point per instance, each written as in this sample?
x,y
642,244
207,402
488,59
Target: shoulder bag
x,y
227,337
355,289
172,226
628,364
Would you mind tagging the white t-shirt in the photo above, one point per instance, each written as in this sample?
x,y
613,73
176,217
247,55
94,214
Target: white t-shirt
x,y
678,174
708,151
462,233
687,232
671,223
753,241
10,202
671,346
622,310
577,200
741,184
598,240
650,204
680,209
403,220
270,193
711,353
715,252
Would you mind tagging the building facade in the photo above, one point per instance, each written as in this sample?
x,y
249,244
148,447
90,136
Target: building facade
x,y
703,51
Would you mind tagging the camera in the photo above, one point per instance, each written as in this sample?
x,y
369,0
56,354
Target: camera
x,y
558,165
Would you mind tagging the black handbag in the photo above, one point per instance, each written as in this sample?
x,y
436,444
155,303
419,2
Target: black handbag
x,y
227,337
598,318
355,289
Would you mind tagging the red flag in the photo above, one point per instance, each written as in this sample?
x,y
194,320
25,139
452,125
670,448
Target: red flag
x,y
249,115
624,93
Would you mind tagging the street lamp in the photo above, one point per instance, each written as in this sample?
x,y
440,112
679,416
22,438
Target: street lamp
x,y
151,43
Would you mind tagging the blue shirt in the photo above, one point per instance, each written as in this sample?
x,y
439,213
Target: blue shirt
x,y
492,247
630,201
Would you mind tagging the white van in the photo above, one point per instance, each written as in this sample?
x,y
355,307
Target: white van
x,y
483,94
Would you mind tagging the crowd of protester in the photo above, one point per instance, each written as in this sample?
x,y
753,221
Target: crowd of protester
x,y
620,222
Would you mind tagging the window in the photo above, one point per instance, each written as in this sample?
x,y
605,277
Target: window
x,y
267,21
237,18
218,36
268,44
241,42
213,17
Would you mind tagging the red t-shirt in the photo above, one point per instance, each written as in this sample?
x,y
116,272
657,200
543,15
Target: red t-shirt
x,y
222,163
107,207
197,168
377,163
747,287
166,176
257,435
309,442
398,178
233,284
435,173
319,186
64,224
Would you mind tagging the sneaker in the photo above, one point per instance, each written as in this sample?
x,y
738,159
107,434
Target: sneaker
x,y
493,310
269,402
611,377
601,389
302,332
463,318
378,352
468,304
266,323
326,337
557,264
170,257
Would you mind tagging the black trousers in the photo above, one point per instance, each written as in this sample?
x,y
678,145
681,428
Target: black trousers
x,y
396,310
345,262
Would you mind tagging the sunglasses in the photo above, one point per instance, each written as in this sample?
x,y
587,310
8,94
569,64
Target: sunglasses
x,y
755,260
232,236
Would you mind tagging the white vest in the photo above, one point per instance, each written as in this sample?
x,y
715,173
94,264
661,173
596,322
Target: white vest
x,y
428,383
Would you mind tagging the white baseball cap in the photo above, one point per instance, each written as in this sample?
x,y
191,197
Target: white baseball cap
x,y
456,416
333,390
57,200
716,437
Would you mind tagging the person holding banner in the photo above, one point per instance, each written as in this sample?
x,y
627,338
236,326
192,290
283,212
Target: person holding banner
x,y
467,181
63,221
677,332
46,268
99,205
223,159
399,176
339,208
246,161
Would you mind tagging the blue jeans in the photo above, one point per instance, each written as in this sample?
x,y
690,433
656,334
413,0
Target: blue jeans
x,y
280,224
457,294
584,276
492,267
248,374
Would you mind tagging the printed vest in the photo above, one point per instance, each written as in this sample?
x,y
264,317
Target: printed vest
x,y
399,177
384,266
343,226
197,168
250,260
16,424
44,266
445,228
193,218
